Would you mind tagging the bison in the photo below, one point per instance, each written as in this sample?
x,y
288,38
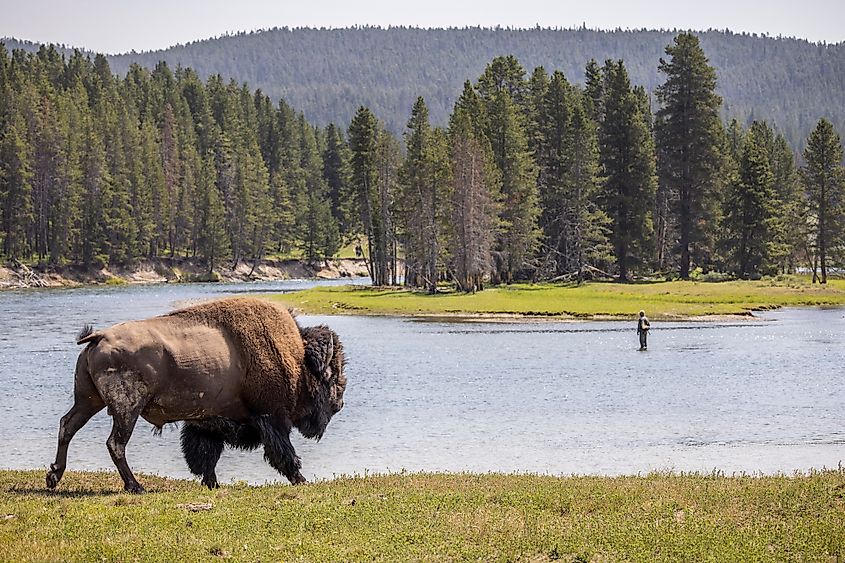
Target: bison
x,y
237,371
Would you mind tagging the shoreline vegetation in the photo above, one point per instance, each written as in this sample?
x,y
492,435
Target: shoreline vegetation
x,y
177,270
675,300
663,300
410,516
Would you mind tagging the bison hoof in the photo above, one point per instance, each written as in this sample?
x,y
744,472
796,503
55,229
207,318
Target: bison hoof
x,y
297,479
134,488
53,477
211,483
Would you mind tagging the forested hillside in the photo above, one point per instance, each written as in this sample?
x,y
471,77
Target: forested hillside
x,y
329,73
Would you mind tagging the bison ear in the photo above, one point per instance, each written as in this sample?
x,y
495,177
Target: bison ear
x,y
319,349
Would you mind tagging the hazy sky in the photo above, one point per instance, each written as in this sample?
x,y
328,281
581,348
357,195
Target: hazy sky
x,y
121,25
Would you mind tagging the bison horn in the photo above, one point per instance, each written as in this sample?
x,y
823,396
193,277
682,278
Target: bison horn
x,y
329,348
319,349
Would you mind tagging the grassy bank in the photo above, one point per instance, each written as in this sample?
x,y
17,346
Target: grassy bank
x,y
429,517
676,299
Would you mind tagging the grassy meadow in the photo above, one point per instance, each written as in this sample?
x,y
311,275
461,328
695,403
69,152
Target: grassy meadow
x,y
425,517
661,300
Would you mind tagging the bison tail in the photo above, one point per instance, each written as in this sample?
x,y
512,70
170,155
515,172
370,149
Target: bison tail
x,y
88,334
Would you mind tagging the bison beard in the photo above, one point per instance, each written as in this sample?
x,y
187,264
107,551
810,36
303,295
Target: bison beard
x,y
239,372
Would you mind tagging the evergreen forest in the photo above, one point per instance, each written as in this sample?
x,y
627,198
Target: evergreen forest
x,y
531,176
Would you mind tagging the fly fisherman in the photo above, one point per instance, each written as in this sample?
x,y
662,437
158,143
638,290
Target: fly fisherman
x,y
642,330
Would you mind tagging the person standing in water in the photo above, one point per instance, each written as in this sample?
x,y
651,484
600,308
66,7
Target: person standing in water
x,y
642,330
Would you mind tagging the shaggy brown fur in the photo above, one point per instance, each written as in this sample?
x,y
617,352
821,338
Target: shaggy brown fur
x,y
238,371
270,344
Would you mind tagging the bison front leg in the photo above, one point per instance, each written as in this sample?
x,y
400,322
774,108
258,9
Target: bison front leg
x,y
202,449
278,451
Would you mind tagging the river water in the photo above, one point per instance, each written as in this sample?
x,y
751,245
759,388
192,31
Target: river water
x,y
547,397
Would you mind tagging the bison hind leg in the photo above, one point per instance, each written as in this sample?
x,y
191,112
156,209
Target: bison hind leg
x,y
81,412
202,449
86,403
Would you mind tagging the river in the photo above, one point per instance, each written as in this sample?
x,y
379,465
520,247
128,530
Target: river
x,y
546,397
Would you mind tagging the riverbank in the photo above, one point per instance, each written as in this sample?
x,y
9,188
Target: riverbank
x,y
176,270
658,517
674,300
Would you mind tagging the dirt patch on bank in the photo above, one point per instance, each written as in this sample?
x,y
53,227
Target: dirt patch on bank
x,y
175,270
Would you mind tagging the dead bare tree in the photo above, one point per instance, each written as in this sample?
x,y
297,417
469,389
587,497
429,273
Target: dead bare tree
x,y
473,215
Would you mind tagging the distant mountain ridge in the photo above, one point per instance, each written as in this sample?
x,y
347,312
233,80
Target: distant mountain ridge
x,y
328,73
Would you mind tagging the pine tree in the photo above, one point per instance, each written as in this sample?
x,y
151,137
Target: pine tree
x,y
413,216
319,232
628,165
553,155
112,124
64,232
253,190
503,74
283,218
96,182
336,175
152,193
5,88
749,209
388,161
440,178
575,229
502,91
688,138
47,153
170,166
364,146
190,163
788,222
139,199
16,188
213,242
474,196
422,200
824,183
538,86
589,226
594,90
287,183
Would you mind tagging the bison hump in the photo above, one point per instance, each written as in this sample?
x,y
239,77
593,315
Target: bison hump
x,y
265,334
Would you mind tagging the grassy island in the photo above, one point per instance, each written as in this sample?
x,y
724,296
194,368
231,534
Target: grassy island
x,y
661,300
424,517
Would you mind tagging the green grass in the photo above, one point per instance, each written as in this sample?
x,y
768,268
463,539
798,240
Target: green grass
x,y
114,280
348,251
675,299
424,517
297,253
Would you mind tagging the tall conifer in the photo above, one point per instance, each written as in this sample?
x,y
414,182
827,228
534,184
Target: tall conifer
x,y
628,166
688,137
824,183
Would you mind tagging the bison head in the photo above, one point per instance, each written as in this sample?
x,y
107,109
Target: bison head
x,y
325,363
